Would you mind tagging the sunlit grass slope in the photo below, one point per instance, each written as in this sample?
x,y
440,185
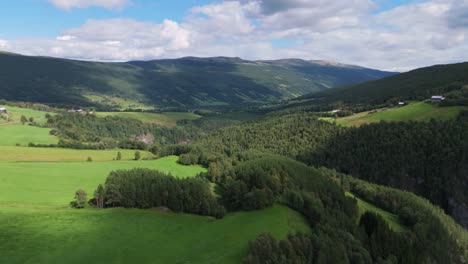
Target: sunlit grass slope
x,y
135,236
11,135
54,183
420,111
14,114
13,153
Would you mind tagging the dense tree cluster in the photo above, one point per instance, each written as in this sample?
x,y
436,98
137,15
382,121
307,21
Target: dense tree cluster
x,y
294,136
144,188
428,158
436,236
88,131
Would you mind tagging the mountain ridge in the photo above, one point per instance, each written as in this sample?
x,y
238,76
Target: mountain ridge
x,y
184,83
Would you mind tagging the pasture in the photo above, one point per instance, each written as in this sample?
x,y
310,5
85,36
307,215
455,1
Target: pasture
x,y
168,119
419,111
15,113
135,236
14,153
17,134
54,183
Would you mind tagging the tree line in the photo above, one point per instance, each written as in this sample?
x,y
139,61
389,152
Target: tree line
x,y
145,188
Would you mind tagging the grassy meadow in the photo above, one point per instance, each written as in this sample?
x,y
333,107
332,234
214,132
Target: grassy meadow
x,y
54,183
168,119
135,236
14,134
15,113
14,153
420,111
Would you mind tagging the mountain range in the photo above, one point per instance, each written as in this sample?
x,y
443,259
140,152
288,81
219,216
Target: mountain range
x,y
185,83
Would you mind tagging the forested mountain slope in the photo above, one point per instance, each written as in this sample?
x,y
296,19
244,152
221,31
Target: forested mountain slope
x,y
177,83
417,84
428,158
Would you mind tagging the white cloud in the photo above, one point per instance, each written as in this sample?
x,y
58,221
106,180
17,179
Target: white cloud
x,y
3,43
65,37
406,37
109,4
111,40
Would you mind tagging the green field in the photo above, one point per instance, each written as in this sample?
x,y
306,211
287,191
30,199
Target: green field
x,y
419,111
13,153
164,119
393,220
15,113
135,236
13,134
54,183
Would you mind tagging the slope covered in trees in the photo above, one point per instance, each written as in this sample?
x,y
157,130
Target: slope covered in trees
x,y
414,85
428,158
180,83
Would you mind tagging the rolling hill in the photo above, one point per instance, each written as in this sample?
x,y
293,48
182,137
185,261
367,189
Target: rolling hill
x,y
418,84
172,83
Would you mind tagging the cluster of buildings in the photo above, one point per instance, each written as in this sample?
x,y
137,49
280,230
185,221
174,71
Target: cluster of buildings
x,y
80,111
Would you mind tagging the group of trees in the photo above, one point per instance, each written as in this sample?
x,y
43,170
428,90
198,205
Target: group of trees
x,y
92,132
144,188
435,235
427,158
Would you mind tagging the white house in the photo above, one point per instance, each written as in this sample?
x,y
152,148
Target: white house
x,y
437,98
3,110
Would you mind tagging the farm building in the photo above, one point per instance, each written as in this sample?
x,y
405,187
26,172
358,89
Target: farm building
x,y
437,98
3,110
75,111
401,103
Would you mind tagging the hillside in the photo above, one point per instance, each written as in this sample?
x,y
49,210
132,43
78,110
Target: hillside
x,y
418,84
418,111
176,83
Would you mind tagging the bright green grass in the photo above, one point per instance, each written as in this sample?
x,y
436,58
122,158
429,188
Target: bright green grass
x,y
15,113
135,236
10,135
419,111
393,220
13,153
164,119
54,183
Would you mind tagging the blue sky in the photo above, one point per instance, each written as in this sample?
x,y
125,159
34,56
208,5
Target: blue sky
x,y
384,34
41,19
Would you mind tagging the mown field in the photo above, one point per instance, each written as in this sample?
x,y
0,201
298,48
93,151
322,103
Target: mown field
x,y
17,134
393,220
419,111
168,119
14,153
15,113
54,183
135,236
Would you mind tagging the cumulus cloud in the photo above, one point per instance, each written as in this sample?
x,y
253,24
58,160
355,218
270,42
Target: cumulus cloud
x,y
111,40
109,4
348,31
